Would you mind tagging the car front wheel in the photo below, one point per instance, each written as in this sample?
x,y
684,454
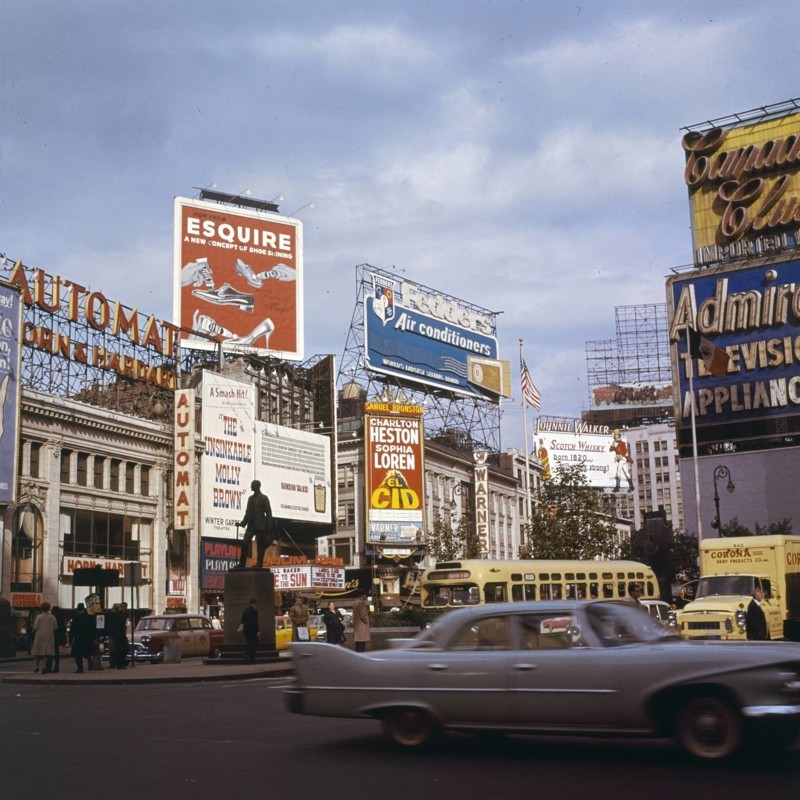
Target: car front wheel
x,y
709,727
409,727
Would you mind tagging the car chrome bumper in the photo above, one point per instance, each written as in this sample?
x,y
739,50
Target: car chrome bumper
x,y
771,711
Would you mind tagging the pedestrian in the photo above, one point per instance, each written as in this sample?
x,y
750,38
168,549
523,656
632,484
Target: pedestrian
x,y
755,619
634,593
361,621
334,624
82,635
298,614
59,639
249,629
44,641
257,522
117,637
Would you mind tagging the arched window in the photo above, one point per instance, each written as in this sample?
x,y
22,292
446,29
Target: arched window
x,y
26,550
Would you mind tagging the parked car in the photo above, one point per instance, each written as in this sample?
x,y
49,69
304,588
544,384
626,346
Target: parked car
x,y
283,630
661,612
198,637
580,667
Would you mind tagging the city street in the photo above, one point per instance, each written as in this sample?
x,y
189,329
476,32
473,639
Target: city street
x,y
235,739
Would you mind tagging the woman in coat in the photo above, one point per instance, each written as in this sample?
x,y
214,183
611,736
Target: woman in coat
x,y
361,622
44,637
334,624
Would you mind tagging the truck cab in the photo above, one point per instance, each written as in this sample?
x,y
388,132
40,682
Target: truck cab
x,y
718,610
731,569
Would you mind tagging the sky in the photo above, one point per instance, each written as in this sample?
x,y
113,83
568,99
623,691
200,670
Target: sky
x,y
522,155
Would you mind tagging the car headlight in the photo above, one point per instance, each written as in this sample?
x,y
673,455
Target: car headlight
x,y
145,638
740,620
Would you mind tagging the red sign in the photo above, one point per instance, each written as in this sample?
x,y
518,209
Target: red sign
x,y
239,277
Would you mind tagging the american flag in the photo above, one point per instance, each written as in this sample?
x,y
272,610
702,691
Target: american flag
x,y
529,391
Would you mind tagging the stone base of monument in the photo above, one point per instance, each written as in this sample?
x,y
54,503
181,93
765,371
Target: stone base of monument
x,y
240,586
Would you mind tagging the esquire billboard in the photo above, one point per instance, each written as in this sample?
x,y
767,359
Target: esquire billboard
x,y
239,276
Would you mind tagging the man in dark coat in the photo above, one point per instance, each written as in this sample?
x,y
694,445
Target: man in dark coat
x,y
250,630
755,619
257,522
82,634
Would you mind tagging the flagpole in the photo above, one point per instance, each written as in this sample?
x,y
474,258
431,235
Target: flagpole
x,y
690,362
527,451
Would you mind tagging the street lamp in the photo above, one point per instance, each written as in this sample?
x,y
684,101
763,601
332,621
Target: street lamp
x,y
721,472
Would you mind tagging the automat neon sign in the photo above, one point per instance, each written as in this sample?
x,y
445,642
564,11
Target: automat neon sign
x,y
55,295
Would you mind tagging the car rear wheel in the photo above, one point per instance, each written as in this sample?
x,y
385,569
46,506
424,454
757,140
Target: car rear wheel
x,y
409,727
709,727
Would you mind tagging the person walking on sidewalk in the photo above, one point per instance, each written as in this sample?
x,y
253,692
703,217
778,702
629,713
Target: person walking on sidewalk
x,y
44,642
82,634
298,614
59,639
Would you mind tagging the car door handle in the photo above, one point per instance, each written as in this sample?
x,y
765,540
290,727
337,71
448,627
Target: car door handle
x,y
437,667
524,667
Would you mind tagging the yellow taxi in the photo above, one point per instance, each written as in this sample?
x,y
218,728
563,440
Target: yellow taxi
x,y
283,631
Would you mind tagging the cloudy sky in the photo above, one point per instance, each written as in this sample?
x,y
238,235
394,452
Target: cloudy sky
x,y
523,155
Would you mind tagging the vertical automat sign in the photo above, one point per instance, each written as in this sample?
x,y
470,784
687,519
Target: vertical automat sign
x,y
10,326
395,474
239,277
184,466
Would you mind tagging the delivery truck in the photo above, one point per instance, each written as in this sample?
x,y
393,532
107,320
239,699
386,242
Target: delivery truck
x,y
730,571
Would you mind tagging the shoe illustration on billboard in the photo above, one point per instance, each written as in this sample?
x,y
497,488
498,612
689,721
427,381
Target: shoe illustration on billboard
x,y
197,273
206,324
226,295
280,272
264,329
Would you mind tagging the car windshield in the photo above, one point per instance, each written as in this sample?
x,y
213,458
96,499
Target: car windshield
x,y
155,624
623,623
465,594
724,585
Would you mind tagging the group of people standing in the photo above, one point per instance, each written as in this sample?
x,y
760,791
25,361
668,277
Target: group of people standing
x,y
332,618
50,635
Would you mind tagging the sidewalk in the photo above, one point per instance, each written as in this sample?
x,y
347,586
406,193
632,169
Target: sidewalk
x,y
190,670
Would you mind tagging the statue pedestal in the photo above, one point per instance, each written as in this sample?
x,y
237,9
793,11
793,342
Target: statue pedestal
x,y
240,586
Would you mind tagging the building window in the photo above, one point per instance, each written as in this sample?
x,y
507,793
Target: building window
x,y
145,482
83,463
130,478
26,550
34,466
99,466
346,514
102,535
115,470
66,458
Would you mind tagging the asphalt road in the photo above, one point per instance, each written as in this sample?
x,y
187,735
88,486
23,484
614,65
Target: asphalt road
x,y
235,740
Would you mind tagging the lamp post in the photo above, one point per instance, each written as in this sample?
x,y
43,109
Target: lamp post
x,y
721,472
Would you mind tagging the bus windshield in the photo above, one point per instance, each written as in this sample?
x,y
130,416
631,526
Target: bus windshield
x,y
464,594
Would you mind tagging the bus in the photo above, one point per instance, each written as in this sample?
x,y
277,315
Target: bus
x,y
455,584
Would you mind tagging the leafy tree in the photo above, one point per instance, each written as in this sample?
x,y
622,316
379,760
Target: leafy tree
x,y
571,519
732,528
448,541
674,562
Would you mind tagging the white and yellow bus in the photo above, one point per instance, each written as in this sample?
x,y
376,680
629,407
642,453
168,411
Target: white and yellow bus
x,y
454,584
